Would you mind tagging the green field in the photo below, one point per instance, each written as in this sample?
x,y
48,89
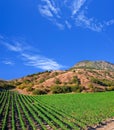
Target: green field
x,y
54,112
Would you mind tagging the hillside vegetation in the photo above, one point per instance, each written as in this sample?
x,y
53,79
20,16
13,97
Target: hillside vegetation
x,y
86,76
6,85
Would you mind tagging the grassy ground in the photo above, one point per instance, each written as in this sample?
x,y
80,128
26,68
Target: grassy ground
x,y
53,112
89,108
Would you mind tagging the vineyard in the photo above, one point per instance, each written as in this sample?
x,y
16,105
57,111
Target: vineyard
x,y
54,112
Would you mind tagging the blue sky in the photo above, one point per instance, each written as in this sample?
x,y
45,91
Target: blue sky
x,y
39,35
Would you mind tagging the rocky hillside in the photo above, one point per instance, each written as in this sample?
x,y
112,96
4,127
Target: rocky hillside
x,y
86,76
99,65
6,85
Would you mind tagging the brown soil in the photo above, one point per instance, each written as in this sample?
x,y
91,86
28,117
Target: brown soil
x,y
107,125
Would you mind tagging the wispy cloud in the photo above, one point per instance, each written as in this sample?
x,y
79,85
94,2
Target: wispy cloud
x,y
41,62
17,47
44,10
8,62
76,6
59,25
110,22
90,23
30,57
68,24
53,11
48,8
56,12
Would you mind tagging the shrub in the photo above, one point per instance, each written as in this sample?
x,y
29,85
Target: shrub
x,y
74,71
76,81
103,82
41,80
56,73
21,86
91,86
57,81
18,83
56,89
39,92
7,86
111,88
76,88
29,89
65,89
26,81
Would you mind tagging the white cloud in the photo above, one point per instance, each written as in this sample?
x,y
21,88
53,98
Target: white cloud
x,y
76,6
51,6
8,62
68,24
48,8
110,22
59,25
28,55
90,23
14,47
41,62
53,10
68,13
44,10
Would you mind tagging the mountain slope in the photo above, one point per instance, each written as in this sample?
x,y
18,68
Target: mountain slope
x,y
6,85
100,65
85,76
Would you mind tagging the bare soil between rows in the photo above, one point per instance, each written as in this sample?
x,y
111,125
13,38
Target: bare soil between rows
x,y
106,125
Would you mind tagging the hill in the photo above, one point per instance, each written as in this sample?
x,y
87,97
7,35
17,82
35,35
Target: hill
x,y
85,76
99,65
